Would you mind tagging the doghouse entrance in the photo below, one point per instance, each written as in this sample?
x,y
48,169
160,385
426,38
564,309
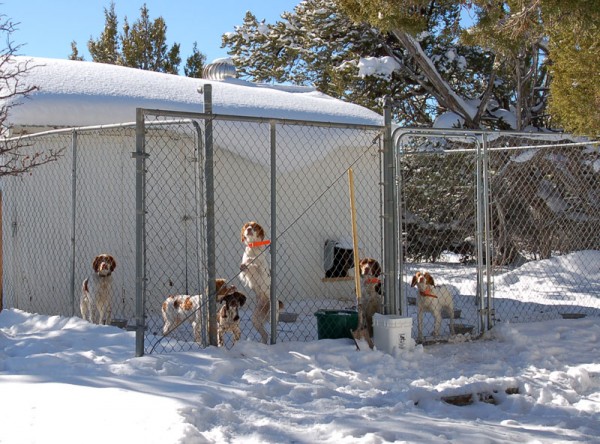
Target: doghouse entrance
x,y
338,258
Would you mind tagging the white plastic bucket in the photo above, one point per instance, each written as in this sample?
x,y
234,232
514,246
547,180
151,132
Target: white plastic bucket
x,y
391,332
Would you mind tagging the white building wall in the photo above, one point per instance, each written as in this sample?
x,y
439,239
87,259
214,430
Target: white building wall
x,y
312,207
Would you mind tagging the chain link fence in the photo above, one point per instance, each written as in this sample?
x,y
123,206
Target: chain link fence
x,y
291,178
508,222
146,194
59,216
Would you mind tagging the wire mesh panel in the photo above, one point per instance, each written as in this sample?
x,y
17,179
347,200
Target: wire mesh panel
x,y
290,178
175,274
37,224
315,249
104,205
509,222
294,174
64,214
438,217
545,221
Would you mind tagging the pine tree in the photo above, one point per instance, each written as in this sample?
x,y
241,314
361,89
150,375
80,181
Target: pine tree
x,y
573,29
141,45
144,45
195,63
106,48
318,44
75,52
546,55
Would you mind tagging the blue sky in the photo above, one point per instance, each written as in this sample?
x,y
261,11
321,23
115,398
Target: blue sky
x,y
47,28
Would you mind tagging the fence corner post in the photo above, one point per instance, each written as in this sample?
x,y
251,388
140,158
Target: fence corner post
x,y
210,215
390,227
140,214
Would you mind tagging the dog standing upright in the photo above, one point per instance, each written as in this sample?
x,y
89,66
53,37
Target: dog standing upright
x,y
256,274
97,291
370,271
433,299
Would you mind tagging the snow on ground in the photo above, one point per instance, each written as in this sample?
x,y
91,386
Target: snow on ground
x,y
65,380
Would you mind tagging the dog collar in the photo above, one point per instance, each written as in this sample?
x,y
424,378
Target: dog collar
x,y
372,281
259,243
427,293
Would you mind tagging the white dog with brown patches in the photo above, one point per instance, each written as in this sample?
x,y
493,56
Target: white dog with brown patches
x,y
228,316
256,274
97,291
433,299
179,308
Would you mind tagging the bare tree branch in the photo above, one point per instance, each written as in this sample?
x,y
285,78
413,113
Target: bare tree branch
x,y
15,158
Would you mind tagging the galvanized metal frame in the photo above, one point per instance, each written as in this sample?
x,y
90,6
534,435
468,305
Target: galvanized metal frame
x,y
483,291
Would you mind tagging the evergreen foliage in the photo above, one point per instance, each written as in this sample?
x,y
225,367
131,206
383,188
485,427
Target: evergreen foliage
x,y
195,63
511,64
106,48
142,45
74,52
319,45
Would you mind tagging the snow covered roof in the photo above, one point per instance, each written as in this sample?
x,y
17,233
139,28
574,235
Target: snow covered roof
x,y
78,93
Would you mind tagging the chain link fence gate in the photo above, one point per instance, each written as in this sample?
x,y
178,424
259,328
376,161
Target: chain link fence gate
x,y
290,177
479,210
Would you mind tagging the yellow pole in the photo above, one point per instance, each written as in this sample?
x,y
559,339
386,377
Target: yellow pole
x,y
354,241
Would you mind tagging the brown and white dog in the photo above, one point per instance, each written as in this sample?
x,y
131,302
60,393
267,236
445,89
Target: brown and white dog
x,y
256,274
433,299
228,316
97,291
370,272
180,308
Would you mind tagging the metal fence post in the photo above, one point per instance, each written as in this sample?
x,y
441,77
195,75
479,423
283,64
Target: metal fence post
x,y
390,226
274,303
140,230
73,215
210,217
199,196
487,233
480,236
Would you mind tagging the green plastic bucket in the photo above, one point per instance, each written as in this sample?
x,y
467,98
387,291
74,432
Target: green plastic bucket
x,y
335,324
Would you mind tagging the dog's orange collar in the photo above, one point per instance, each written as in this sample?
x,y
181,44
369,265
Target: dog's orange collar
x,y
427,293
372,281
259,243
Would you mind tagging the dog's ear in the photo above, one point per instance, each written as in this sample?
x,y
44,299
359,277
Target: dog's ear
x,y
221,298
241,297
219,283
259,230
113,263
96,263
243,231
429,279
414,281
377,269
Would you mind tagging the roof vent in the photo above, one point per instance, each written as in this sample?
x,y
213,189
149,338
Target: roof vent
x,y
219,69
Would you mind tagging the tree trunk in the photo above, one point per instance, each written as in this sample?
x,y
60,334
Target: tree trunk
x,y
444,94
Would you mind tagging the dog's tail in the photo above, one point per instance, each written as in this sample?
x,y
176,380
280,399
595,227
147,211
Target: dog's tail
x,y
85,287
